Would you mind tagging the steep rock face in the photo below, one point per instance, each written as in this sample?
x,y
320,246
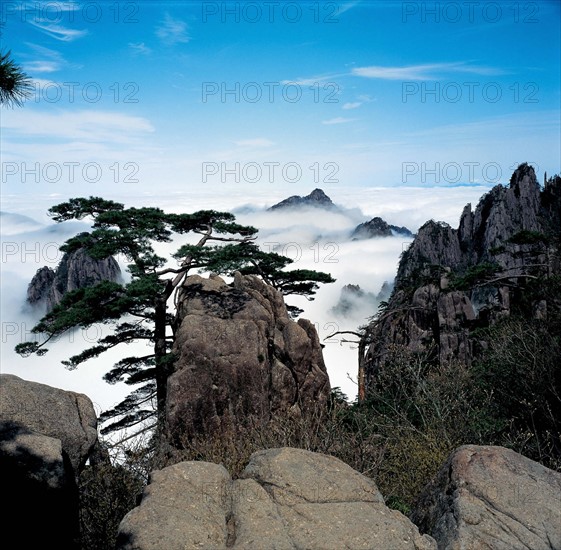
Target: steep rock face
x,y
492,497
286,499
240,358
317,198
76,270
451,281
46,436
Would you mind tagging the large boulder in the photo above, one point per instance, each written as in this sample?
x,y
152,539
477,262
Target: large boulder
x,y
64,415
38,488
46,436
241,359
491,497
286,499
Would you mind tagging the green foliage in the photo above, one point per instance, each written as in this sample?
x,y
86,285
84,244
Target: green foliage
x,y
528,237
522,370
107,492
15,85
474,275
136,311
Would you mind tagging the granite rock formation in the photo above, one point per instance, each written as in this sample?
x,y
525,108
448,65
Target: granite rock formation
x,y
46,436
76,270
286,499
452,281
240,358
492,497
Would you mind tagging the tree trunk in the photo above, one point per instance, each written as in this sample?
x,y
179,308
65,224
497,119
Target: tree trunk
x,y
160,350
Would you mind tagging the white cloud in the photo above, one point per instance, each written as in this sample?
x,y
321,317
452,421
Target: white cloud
x,y
353,105
312,81
47,60
140,48
257,142
429,71
337,120
90,126
41,66
59,32
172,31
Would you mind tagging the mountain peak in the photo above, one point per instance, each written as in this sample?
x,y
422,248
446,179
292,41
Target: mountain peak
x,y
316,198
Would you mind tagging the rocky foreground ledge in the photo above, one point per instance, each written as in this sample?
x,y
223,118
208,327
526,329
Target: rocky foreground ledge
x,y
484,497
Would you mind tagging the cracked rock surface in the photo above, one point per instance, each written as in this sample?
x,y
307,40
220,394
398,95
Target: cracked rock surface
x,y
240,359
491,497
286,499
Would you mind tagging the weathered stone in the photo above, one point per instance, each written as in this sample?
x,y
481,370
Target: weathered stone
x,y
511,235
46,435
64,415
492,497
37,482
76,270
184,506
287,499
240,358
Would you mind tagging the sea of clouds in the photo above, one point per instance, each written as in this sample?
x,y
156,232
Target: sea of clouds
x,y
314,239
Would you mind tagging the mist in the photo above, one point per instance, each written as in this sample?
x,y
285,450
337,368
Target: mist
x,y
312,238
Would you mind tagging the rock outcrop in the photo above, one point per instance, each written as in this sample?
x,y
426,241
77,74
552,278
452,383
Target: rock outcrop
x,y
46,435
377,227
52,412
492,497
240,358
76,270
286,499
317,199
452,281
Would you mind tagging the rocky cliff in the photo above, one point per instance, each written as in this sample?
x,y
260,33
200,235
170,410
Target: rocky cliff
x,y
453,281
76,270
240,359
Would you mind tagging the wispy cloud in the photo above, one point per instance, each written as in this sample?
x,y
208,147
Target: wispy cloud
x,y
58,32
429,71
84,125
337,120
172,31
312,80
140,48
46,61
352,105
347,6
256,142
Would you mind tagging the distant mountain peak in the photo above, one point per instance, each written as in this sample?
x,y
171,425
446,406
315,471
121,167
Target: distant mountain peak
x,y
377,227
317,198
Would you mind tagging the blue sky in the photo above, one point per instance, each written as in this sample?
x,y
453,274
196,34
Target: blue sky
x,y
133,97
